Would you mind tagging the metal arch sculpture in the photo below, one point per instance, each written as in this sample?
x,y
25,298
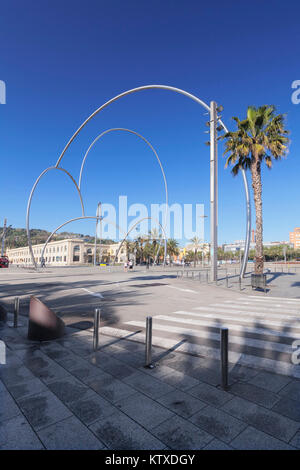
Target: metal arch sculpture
x,y
84,217
122,129
204,105
30,199
130,230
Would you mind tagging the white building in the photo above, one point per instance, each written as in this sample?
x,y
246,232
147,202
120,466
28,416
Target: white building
x,y
239,245
69,252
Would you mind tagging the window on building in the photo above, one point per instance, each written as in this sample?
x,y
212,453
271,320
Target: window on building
x,y
76,253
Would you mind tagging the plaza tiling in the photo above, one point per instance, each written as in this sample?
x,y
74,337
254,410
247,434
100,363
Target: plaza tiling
x,y
62,395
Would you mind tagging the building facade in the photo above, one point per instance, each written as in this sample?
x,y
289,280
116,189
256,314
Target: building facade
x,y
239,245
295,238
68,252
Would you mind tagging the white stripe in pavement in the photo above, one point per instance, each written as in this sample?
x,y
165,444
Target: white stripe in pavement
x,y
289,299
255,343
266,304
253,329
183,290
95,294
256,316
236,310
272,300
257,309
196,349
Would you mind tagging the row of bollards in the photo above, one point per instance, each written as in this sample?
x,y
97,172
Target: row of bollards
x,y
16,311
148,346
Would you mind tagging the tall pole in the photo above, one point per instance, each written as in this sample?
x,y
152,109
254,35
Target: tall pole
x,y
213,191
100,236
97,220
3,238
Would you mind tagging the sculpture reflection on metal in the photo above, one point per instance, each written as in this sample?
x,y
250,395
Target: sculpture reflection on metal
x,y
43,325
207,108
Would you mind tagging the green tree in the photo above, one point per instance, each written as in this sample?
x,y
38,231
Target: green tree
x,y
196,245
261,137
172,247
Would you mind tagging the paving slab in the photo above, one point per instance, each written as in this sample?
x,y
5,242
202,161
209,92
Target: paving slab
x,y
218,423
30,387
253,439
151,387
289,408
295,442
111,365
292,390
181,403
91,408
179,434
17,434
179,380
261,418
144,410
255,394
268,381
119,432
210,394
242,373
8,407
215,444
69,434
12,375
43,409
69,389
110,388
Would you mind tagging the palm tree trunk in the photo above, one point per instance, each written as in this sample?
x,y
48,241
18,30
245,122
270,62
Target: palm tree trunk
x,y
257,192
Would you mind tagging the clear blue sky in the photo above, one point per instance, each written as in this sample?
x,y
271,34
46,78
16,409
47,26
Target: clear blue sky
x,y
63,59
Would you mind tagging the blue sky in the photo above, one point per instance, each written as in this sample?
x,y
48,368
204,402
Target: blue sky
x,y
62,60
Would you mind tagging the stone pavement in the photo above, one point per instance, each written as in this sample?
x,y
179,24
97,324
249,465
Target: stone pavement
x,y
62,395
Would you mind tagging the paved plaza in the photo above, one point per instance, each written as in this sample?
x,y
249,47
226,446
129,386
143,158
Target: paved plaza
x,y
62,395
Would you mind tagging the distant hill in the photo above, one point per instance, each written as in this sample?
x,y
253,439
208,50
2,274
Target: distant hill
x,y
17,237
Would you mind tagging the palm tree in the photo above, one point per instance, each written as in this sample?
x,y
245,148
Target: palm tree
x,y
260,137
172,247
196,245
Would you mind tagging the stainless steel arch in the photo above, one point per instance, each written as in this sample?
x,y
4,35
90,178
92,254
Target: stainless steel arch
x,y
157,158
134,225
73,220
202,103
30,199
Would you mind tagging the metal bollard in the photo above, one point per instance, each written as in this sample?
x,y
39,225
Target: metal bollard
x,y
96,329
224,357
240,282
199,276
148,349
16,311
206,277
226,280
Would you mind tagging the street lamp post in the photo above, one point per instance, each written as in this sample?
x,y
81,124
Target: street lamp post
x,y
213,191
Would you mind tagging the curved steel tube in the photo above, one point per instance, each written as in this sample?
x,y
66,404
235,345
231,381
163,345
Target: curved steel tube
x,y
202,103
134,225
73,220
153,150
30,199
